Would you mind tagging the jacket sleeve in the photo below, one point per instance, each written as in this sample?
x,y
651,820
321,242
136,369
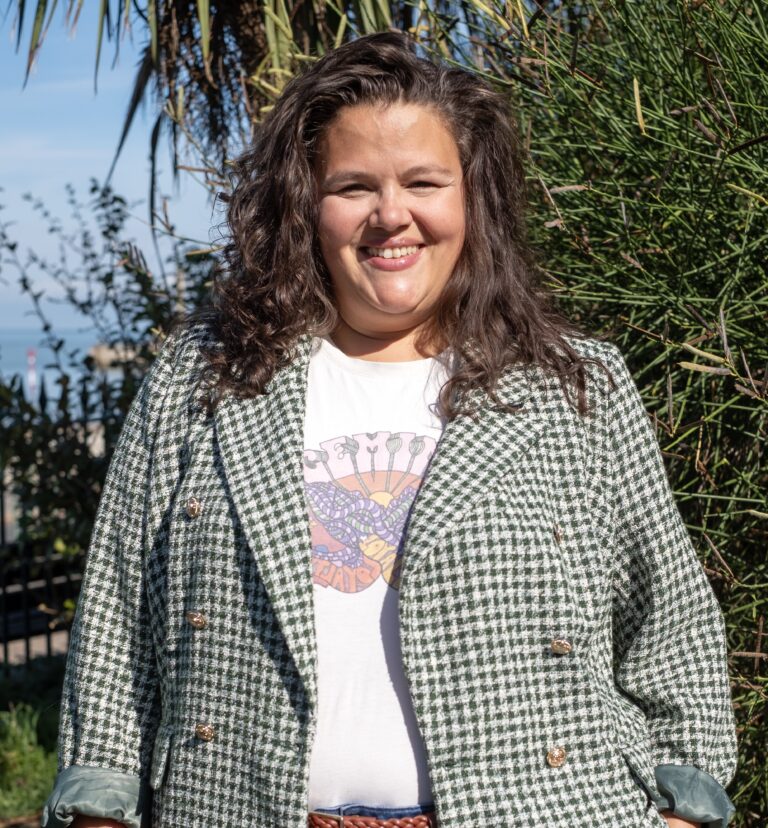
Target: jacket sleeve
x,y
670,653
110,699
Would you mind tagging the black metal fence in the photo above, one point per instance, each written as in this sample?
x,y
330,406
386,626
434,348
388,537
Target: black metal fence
x,y
38,588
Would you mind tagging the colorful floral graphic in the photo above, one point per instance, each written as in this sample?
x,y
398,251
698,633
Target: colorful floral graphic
x,y
359,492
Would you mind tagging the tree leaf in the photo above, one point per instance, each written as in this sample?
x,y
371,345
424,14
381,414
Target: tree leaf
x,y
638,107
152,22
103,14
704,354
139,88
204,17
35,40
744,191
705,369
748,391
21,5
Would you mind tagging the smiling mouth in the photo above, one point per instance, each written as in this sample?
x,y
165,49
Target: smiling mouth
x,y
392,252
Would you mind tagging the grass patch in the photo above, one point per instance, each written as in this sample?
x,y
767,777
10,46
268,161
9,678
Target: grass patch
x,y
29,720
27,769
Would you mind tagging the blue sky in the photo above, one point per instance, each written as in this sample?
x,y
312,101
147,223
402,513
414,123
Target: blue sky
x,y
57,130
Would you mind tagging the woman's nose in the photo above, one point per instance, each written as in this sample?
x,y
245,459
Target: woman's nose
x,y
390,210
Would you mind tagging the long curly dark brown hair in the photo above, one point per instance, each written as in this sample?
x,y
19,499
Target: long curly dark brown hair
x,y
274,285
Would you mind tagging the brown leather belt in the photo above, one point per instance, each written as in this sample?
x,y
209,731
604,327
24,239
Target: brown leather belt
x,y
317,819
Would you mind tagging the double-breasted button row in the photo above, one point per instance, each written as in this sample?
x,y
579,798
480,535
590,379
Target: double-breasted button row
x,y
196,619
560,645
556,756
205,731
193,507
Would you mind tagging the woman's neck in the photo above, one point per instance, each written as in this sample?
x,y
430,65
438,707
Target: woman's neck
x,y
397,346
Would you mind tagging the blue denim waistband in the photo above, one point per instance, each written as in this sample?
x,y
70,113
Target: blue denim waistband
x,y
376,813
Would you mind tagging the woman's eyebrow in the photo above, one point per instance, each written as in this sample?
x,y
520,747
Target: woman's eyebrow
x,y
350,175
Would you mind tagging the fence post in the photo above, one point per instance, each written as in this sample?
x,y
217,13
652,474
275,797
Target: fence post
x,y
50,600
4,608
2,509
24,573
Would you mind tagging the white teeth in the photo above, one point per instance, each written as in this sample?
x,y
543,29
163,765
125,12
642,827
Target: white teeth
x,y
392,252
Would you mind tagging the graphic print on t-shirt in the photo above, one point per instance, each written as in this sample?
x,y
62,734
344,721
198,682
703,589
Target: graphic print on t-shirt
x,y
359,490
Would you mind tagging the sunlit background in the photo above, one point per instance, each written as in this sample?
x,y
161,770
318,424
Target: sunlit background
x,y
59,130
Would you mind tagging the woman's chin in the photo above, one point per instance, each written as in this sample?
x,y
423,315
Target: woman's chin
x,y
399,305
401,310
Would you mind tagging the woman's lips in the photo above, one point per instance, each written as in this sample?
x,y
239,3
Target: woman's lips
x,y
401,263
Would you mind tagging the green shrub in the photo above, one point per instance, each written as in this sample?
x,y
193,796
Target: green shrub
x,y
29,723
27,769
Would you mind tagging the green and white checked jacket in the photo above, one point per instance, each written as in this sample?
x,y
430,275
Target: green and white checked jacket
x,y
527,527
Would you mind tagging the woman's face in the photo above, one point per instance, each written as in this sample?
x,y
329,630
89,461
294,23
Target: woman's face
x,y
391,215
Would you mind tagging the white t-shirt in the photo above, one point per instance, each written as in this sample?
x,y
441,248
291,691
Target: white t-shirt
x,y
370,430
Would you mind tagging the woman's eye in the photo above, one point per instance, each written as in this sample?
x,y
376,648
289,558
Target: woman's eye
x,y
352,187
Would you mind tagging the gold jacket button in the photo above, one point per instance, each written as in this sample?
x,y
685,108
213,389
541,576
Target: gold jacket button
x,y
556,756
557,529
204,732
193,507
561,646
196,619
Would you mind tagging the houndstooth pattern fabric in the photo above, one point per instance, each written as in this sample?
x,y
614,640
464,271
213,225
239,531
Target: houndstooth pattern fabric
x,y
527,527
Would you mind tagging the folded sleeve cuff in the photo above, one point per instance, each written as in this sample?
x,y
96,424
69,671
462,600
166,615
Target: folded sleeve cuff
x,y
98,792
692,793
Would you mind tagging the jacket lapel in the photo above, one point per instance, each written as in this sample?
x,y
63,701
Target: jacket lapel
x,y
261,442
470,457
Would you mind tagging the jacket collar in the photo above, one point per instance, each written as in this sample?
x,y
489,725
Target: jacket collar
x,y
261,443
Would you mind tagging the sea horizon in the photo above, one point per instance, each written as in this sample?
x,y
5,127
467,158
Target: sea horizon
x,y
17,341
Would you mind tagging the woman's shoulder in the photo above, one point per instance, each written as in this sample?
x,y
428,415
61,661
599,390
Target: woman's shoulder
x,y
180,355
187,340
600,354
593,346
172,384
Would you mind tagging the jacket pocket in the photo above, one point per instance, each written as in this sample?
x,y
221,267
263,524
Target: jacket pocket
x,y
161,754
638,758
632,739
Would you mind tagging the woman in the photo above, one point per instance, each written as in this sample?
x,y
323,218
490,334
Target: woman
x,y
386,540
